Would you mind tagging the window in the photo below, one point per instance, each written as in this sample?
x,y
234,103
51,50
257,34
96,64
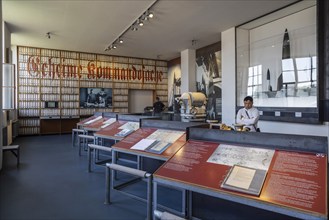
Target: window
x,y
8,86
254,80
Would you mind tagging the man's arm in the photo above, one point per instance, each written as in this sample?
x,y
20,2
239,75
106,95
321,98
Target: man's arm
x,y
253,117
239,117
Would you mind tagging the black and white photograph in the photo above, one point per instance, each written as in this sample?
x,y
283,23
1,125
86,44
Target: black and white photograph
x,y
95,98
209,79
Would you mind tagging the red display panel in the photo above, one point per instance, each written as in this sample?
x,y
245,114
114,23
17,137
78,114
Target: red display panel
x,y
142,133
111,130
295,180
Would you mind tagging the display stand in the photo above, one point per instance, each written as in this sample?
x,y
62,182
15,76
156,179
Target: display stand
x,y
296,182
146,160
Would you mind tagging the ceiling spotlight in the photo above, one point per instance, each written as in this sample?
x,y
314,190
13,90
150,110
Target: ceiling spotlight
x,y
120,41
150,14
140,23
114,46
145,16
134,28
48,35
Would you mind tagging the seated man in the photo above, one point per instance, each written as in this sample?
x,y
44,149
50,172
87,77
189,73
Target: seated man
x,y
248,115
158,106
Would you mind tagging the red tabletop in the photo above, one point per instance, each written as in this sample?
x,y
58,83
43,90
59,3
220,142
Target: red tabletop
x,y
95,126
82,123
295,180
110,131
125,144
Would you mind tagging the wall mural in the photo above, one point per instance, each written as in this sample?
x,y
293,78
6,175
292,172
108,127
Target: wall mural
x,y
174,86
209,79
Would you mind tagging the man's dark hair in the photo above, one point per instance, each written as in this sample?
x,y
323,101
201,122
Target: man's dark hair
x,y
248,98
157,98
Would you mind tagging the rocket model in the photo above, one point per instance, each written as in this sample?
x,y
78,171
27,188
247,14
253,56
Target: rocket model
x,y
268,78
285,55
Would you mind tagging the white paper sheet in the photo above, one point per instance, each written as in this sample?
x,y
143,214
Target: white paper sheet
x,y
130,125
109,121
230,155
241,177
105,125
93,120
143,144
168,136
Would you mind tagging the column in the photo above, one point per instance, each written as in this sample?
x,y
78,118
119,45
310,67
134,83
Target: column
x,y
188,71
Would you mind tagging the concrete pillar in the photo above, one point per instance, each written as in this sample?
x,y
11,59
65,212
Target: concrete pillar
x,y
188,71
228,77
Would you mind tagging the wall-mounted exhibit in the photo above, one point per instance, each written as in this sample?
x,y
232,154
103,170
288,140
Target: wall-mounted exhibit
x,y
80,84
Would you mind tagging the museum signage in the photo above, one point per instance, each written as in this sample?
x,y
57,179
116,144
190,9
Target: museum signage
x,y
36,68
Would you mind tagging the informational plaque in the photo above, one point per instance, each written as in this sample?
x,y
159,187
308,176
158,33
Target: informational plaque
x,y
298,180
294,181
158,141
245,179
231,155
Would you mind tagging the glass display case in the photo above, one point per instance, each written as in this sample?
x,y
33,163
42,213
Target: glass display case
x,y
277,64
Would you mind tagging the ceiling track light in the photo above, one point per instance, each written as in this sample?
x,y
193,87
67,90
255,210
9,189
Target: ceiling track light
x,y
48,35
145,16
140,22
134,27
150,14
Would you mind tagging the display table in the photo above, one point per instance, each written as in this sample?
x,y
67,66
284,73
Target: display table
x,y
296,182
110,131
125,145
175,133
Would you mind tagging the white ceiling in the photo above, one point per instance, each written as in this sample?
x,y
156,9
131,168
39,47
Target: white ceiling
x,y
90,26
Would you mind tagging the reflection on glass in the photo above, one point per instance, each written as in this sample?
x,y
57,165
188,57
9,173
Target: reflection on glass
x,y
254,80
8,86
273,75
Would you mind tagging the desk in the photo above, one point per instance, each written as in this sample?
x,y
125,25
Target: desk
x,y
296,183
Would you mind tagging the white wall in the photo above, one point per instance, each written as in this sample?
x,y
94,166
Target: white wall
x,y
139,99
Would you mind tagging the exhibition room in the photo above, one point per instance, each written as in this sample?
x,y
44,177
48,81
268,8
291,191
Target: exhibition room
x,y
158,109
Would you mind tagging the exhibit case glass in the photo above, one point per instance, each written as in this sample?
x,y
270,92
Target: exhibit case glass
x,y
277,63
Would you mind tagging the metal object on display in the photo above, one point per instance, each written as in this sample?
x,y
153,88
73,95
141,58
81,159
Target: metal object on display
x,y
193,106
